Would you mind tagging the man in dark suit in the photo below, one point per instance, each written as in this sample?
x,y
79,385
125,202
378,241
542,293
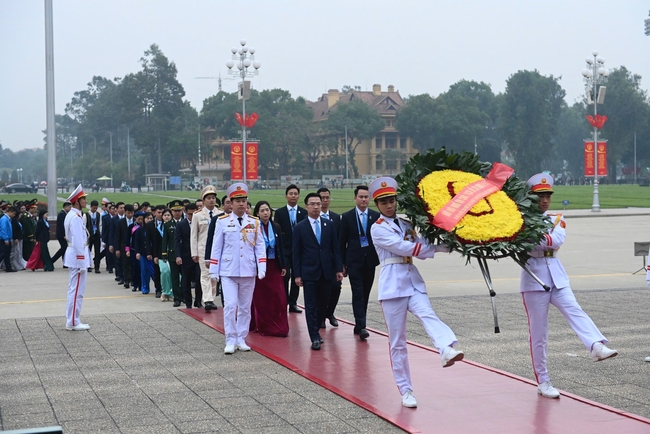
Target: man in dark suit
x,y
316,264
114,242
189,269
288,217
107,229
359,256
92,221
60,232
123,236
335,291
155,230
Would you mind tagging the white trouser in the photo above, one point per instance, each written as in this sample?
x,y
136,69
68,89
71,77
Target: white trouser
x,y
208,286
536,304
237,298
76,289
395,316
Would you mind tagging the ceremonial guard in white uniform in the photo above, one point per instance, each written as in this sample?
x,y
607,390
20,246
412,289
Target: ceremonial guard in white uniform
x,y
198,238
548,268
76,258
238,256
402,289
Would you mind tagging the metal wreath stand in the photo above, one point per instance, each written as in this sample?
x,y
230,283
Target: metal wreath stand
x,y
482,258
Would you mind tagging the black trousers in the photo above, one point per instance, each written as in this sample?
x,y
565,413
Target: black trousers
x,y
333,300
5,254
316,294
110,259
127,266
156,277
191,273
290,288
119,271
361,280
59,253
96,246
175,271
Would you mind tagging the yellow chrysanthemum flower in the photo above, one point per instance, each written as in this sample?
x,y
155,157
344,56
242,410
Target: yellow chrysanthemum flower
x,y
494,218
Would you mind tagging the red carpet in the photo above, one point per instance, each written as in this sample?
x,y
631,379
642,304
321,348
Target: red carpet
x,y
467,398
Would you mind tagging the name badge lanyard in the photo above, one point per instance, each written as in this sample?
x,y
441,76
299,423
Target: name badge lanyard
x,y
267,240
363,239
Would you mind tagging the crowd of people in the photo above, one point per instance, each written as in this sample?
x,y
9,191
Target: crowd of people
x,y
257,260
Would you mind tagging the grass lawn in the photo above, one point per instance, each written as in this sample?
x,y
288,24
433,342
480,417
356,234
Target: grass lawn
x,y
579,197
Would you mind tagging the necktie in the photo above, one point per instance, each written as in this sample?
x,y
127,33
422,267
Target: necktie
x,y
240,219
210,215
364,222
397,223
317,229
325,216
292,216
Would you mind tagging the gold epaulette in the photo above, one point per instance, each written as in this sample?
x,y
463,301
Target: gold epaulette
x,y
224,216
253,217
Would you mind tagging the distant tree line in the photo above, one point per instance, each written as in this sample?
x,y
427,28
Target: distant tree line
x,y
143,119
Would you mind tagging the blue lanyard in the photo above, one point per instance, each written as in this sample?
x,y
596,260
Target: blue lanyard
x,y
359,226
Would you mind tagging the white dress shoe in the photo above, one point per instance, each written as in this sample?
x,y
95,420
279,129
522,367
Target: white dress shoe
x,y
79,326
547,390
600,352
450,356
243,347
408,400
647,359
229,349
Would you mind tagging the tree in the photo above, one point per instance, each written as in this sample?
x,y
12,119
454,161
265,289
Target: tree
x,y
529,112
362,122
320,142
569,141
420,120
626,106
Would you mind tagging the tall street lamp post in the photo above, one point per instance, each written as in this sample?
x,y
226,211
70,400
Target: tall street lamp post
x,y
595,75
243,58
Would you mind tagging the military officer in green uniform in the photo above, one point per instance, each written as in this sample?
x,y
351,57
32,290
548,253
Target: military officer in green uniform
x,y
168,253
28,222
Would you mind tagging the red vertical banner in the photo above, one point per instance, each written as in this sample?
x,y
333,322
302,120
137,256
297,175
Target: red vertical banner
x,y
252,161
590,169
602,158
590,159
236,162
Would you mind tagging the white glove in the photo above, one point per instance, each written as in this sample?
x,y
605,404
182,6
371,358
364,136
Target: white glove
x,y
441,248
261,274
214,276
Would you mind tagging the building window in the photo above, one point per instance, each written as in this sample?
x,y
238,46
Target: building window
x,y
391,165
402,143
379,165
391,140
389,123
378,142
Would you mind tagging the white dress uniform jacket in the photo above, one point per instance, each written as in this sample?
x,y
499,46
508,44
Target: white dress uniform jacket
x,y
199,232
77,255
238,250
544,262
393,242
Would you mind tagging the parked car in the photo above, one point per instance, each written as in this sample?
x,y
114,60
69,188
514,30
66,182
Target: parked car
x,y
125,187
19,188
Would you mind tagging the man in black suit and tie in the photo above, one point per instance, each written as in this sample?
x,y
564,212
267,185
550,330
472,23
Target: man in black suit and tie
x,y
189,269
288,217
154,231
107,228
335,291
359,255
60,232
316,264
113,242
122,237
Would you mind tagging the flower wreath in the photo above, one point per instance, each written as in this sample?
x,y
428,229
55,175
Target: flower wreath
x,y
504,223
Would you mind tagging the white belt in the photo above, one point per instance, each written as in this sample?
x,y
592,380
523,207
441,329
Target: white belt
x,y
543,254
397,260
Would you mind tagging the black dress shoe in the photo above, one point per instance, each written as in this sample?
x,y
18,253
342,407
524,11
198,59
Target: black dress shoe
x,y
117,279
322,325
158,294
320,340
120,282
294,309
97,272
110,271
188,306
333,322
126,285
210,306
11,271
177,303
198,305
134,289
363,334
315,345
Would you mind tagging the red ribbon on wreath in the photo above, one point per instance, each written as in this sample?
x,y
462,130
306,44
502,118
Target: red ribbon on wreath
x,y
597,121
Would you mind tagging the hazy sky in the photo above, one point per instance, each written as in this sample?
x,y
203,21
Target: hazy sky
x,y
308,47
